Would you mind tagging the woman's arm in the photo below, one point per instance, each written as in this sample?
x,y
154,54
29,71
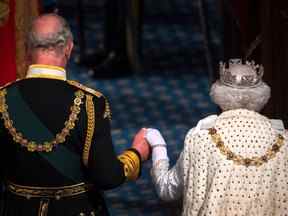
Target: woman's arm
x,y
168,182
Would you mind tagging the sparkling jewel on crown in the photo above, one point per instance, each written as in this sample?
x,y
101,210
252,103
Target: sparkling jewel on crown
x,y
241,75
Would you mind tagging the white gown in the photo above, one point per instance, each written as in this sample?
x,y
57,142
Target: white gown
x,y
213,185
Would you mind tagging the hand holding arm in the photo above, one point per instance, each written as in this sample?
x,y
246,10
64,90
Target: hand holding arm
x,y
141,145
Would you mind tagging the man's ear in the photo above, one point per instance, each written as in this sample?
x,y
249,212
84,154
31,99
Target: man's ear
x,y
68,49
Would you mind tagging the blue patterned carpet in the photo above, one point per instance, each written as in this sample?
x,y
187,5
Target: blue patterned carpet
x,y
171,94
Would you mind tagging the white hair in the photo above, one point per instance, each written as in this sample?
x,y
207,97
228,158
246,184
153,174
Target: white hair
x,y
228,98
55,40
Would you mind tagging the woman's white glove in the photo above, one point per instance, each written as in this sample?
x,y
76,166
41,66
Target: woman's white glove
x,y
154,138
158,144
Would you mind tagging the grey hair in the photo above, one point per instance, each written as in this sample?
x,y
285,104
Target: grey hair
x,y
56,40
229,98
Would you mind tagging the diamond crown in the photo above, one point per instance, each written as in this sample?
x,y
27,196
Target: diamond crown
x,y
239,75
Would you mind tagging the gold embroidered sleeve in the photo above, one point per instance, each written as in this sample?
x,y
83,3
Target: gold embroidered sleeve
x,y
132,164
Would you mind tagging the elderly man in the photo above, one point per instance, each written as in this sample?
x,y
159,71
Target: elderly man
x,y
57,155
232,164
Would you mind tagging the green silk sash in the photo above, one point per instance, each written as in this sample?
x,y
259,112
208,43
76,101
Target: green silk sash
x,y
26,122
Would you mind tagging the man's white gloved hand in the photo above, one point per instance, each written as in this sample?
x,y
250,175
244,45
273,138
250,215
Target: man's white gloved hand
x,y
158,144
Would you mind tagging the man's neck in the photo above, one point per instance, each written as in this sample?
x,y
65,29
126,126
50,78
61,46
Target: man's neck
x,y
49,59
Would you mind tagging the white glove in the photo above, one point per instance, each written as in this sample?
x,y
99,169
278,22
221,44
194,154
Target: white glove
x,y
158,144
154,137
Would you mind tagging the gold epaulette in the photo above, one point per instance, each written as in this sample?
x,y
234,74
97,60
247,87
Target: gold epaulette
x,y
9,83
85,88
107,113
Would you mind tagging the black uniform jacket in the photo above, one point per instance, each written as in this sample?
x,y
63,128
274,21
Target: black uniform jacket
x,y
38,109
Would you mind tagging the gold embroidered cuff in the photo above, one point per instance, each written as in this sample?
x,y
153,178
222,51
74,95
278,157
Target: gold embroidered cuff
x,y
132,164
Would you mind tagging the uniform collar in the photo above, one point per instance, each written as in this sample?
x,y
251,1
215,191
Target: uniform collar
x,y
46,71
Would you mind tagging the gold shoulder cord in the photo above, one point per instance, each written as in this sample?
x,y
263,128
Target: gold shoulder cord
x,y
131,163
90,127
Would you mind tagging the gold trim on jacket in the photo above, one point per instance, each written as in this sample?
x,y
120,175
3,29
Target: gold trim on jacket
x,y
131,163
46,146
48,192
90,128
